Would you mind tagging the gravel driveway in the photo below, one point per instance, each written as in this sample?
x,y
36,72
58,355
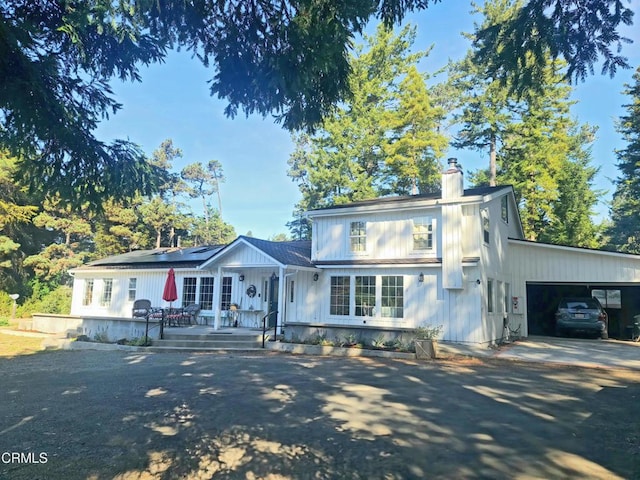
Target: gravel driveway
x,y
117,415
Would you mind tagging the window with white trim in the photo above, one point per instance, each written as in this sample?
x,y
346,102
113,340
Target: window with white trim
x,y
365,292
490,296
507,297
504,208
133,283
87,296
107,289
340,295
189,291
485,226
206,293
423,233
392,300
225,301
358,236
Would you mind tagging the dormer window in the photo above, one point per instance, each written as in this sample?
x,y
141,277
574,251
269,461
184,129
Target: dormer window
x,y
358,237
423,233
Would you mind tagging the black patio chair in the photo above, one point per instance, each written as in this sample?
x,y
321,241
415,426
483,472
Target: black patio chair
x,y
141,308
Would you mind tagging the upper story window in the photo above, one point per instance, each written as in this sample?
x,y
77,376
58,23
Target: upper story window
x,y
423,233
504,208
485,226
358,236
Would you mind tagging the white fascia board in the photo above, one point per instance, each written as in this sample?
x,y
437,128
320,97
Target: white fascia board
x,y
392,206
235,245
566,248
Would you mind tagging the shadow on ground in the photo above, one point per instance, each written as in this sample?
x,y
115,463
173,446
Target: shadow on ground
x,y
105,415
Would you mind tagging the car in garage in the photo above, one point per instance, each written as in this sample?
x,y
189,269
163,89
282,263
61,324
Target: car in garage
x,y
581,315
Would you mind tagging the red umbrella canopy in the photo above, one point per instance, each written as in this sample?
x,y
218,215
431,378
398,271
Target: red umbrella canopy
x,y
170,293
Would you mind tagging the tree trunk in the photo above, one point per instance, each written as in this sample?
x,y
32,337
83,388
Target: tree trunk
x,y
492,161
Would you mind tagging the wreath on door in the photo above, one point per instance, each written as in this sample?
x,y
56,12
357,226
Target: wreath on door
x,y
251,291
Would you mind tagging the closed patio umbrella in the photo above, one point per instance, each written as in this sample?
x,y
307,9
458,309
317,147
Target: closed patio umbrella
x,y
170,293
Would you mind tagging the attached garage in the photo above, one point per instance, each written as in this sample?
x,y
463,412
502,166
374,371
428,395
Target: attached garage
x,y
545,273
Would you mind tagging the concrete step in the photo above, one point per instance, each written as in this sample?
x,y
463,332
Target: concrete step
x,y
160,349
214,337
212,343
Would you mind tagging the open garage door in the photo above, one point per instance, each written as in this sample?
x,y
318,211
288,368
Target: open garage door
x,y
622,303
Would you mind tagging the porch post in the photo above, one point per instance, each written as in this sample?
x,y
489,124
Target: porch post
x,y
282,289
217,295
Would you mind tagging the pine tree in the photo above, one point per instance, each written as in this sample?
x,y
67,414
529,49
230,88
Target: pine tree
x,y
383,140
624,232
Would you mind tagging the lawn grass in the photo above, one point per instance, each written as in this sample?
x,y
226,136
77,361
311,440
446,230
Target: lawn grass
x,y
14,345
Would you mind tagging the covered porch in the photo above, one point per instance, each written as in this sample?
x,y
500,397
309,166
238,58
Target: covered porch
x,y
268,279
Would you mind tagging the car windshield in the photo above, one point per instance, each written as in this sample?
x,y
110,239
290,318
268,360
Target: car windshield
x,y
581,304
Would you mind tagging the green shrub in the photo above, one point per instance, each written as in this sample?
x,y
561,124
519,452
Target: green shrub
x,y
57,301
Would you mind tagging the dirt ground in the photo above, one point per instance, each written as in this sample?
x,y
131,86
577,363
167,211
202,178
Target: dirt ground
x,y
116,415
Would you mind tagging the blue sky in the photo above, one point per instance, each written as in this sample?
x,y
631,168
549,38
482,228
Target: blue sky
x,y
173,101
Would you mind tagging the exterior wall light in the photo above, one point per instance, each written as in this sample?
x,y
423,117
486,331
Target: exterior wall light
x,y
241,278
421,277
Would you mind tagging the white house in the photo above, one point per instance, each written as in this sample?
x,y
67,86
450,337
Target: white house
x,y
380,268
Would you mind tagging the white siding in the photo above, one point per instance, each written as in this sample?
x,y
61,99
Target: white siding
x,y
150,285
546,263
389,236
458,311
452,245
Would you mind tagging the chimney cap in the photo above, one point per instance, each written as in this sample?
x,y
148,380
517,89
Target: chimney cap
x,y
453,166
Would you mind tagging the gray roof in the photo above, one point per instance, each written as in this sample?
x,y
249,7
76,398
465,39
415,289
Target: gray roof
x,y
158,258
469,192
294,253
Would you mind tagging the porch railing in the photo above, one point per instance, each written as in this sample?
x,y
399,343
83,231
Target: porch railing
x,y
153,314
264,327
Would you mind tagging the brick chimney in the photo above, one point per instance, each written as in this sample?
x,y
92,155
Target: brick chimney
x,y
452,181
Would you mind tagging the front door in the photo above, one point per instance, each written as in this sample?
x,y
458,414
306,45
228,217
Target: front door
x,y
274,283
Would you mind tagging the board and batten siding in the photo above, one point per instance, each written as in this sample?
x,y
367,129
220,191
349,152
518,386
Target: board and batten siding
x,y
149,285
530,262
243,256
388,236
427,303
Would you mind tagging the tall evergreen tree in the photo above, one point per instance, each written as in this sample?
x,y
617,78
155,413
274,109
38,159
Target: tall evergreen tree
x,y
624,232
546,158
383,140
485,101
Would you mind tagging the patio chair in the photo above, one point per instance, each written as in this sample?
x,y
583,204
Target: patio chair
x,y
141,308
190,313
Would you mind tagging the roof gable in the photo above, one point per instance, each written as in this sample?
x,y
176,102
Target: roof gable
x,y
292,254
